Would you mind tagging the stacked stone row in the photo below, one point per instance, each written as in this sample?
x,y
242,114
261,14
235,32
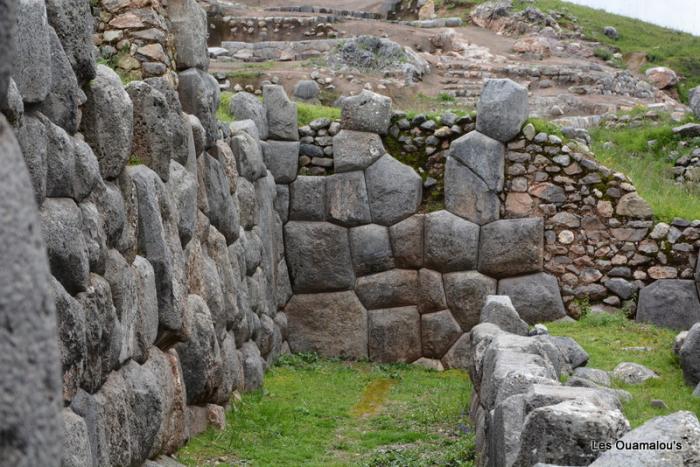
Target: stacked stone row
x,y
601,240
372,278
253,29
149,39
164,248
316,150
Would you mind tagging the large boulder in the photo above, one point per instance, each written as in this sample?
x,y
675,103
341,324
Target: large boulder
x,y
502,109
500,311
122,280
8,26
394,335
371,249
690,356
318,255
484,156
667,430
32,57
253,366
511,247
223,211
74,24
33,139
347,201
65,96
70,319
535,296
468,196
356,150
281,114
670,303
76,444
246,106
439,331
188,25
249,156
61,221
307,199
450,243
561,434
282,159
388,289
431,292
306,90
107,123
31,384
466,294
395,190
662,77
366,111
332,324
199,95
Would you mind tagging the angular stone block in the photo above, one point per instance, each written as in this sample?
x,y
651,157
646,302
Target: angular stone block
x,y
502,109
439,331
394,334
468,196
450,242
536,297
511,247
484,156
281,114
407,242
348,203
389,289
371,249
366,111
332,324
669,303
356,150
246,106
282,159
395,190
466,294
318,255
307,199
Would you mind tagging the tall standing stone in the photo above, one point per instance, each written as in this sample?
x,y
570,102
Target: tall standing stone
x,y
74,24
32,65
281,114
502,109
188,24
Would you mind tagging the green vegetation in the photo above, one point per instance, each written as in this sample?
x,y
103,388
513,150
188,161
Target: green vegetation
x,y
333,413
649,166
661,46
545,126
306,113
222,112
612,338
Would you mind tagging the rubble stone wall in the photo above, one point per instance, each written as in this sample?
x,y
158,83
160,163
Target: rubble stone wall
x,y
230,28
144,257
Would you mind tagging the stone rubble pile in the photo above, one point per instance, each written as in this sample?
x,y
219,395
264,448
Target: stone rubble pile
x,y
525,416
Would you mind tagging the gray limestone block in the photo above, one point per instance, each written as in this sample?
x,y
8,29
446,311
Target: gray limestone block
x,y
431,293
281,114
669,303
347,200
511,247
108,119
394,334
356,150
183,188
32,57
502,109
248,204
371,249
407,241
249,156
199,95
70,321
76,443
282,159
395,190
500,311
366,111
466,294
8,26
282,202
188,25
439,331
459,355
33,139
246,106
253,366
123,283
689,355
318,255
74,24
469,196
223,211
307,199
450,243
484,156
536,297
94,235
388,289
147,311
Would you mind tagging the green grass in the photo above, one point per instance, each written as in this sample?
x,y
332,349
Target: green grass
x,y
222,112
306,113
319,412
662,46
545,126
649,168
604,336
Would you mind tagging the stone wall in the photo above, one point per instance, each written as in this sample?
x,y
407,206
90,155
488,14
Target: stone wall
x,y
144,255
269,28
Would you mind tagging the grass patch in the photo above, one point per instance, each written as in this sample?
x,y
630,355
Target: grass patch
x,y
545,126
306,113
663,47
331,413
649,167
605,337
222,112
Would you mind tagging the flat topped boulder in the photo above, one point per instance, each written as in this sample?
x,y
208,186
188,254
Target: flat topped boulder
x,y
502,109
318,255
535,296
356,150
482,155
670,303
395,190
367,111
511,247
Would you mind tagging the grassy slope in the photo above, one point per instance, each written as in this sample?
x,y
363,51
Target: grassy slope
x,y
677,50
605,336
649,168
332,413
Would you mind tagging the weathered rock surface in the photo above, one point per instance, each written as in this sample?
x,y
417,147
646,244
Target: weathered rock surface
x,y
632,373
366,112
469,196
32,58
466,294
500,311
388,289
347,199
407,242
511,247
439,331
689,355
188,25
450,242
281,114
332,324
502,109
395,190
394,334
282,159
669,303
484,156
535,296
371,249
356,150
307,199
245,106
